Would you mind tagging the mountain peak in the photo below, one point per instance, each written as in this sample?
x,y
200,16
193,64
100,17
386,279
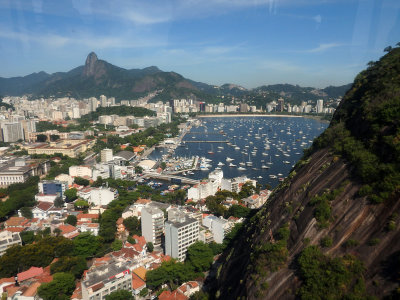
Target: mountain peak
x,y
90,64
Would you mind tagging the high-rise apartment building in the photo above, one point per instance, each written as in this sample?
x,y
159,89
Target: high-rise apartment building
x,y
281,105
12,132
103,101
181,231
106,155
152,223
93,104
320,106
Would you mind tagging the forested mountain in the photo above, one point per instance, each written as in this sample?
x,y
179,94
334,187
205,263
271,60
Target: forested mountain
x,y
331,230
98,77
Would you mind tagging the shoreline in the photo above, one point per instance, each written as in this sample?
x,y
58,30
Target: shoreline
x,y
317,118
246,115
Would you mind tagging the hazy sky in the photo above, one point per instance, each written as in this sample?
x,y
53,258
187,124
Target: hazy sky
x,y
246,42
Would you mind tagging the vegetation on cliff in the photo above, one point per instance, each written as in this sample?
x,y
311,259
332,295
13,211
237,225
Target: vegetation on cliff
x,y
331,229
366,128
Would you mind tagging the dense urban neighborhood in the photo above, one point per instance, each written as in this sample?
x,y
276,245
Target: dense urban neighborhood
x,y
85,214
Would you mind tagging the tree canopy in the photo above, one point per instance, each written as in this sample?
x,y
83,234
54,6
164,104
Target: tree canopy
x,y
61,287
199,256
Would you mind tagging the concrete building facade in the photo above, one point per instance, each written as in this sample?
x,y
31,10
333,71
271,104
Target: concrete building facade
x,y
152,223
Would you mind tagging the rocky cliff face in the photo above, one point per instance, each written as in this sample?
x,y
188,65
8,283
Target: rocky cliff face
x,y
90,65
326,207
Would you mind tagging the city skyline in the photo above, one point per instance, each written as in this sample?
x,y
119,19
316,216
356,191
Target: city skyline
x,y
249,43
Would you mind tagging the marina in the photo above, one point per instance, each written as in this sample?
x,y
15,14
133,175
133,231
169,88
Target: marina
x,y
264,149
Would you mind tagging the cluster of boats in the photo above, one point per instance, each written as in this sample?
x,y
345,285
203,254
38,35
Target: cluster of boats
x,y
264,147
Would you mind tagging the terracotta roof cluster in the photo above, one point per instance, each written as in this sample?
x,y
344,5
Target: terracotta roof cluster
x,y
14,222
29,282
87,217
181,293
30,273
68,231
143,201
175,295
137,282
44,206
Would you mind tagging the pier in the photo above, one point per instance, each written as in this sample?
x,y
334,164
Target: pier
x,y
170,177
205,133
225,141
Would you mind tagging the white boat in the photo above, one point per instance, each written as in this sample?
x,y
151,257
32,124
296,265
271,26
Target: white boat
x,y
286,162
264,167
229,159
237,148
232,165
241,169
221,164
273,176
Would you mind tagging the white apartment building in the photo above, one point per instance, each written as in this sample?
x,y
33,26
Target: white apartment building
x,y
202,190
8,239
12,132
152,223
106,155
103,280
320,106
80,171
218,226
101,196
180,232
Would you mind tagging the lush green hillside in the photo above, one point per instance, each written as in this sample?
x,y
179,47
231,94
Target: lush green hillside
x,y
366,128
331,230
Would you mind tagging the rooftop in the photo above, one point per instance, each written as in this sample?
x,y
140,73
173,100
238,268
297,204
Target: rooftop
x,y
32,272
104,273
179,224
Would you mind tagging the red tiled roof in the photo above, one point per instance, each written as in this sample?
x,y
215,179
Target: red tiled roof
x,y
98,286
165,257
175,295
87,216
32,272
77,294
140,240
93,225
141,272
11,290
101,261
137,247
67,228
45,206
9,279
137,283
14,229
32,289
126,252
15,221
142,201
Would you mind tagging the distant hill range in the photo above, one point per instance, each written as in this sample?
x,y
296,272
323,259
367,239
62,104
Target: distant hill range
x,y
98,77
